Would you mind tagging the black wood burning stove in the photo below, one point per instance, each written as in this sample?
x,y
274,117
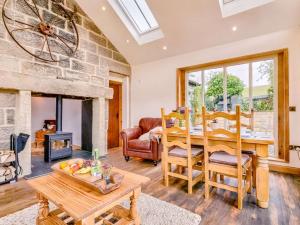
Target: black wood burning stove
x,y
58,145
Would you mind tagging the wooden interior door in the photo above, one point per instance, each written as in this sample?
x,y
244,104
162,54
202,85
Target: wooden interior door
x,y
115,116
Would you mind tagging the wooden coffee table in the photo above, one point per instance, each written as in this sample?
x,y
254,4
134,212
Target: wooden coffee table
x,y
84,206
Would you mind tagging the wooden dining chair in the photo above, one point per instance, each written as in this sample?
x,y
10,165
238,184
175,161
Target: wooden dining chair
x,y
251,153
226,158
178,150
250,117
197,118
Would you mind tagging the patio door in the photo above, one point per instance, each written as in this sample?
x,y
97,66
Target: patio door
x,y
251,84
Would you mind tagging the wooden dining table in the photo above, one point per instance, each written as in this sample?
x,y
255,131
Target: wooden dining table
x,y
259,144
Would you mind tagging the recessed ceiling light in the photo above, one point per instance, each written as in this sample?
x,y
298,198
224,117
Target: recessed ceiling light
x,y
127,41
103,8
164,47
234,28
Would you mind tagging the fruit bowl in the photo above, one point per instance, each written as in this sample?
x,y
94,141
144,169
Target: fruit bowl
x,y
76,167
80,170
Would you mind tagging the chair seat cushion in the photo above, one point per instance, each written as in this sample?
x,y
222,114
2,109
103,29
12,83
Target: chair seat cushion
x,y
139,145
248,152
227,159
180,152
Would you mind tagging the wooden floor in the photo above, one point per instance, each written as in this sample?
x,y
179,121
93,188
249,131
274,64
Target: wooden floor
x,y
219,209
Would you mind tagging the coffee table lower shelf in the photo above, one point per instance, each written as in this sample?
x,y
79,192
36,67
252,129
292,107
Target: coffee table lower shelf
x,y
118,215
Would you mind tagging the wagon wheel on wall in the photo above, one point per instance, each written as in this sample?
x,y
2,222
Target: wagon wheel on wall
x,y
39,32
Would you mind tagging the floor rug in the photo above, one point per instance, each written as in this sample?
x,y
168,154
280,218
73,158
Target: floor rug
x,y
151,210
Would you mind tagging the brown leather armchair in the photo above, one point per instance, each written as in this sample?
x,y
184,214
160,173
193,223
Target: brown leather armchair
x,y
147,149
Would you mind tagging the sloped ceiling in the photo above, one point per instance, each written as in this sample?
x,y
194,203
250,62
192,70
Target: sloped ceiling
x,y
191,25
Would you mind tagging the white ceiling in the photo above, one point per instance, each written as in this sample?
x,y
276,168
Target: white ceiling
x,y
191,25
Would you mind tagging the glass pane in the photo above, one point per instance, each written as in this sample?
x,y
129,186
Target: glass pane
x,y
238,87
263,90
214,90
227,1
147,13
194,95
60,144
139,14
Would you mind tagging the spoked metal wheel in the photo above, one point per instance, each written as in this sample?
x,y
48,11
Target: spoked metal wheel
x,y
42,34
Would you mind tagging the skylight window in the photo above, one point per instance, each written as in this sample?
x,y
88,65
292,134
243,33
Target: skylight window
x,y
138,19
227,1
233,7
139,14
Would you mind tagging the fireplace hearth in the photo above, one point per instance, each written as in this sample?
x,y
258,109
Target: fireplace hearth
x,y
59,144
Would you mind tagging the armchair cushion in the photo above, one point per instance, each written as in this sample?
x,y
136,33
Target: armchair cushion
x,y
138,144
151,134
145,136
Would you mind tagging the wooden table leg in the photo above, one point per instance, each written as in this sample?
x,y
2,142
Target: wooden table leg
x,y
262,176
162,165
43,208
254,166
87,221
133,206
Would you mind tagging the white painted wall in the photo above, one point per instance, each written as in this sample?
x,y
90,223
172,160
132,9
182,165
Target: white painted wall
x,y
153,85
43,108
72,119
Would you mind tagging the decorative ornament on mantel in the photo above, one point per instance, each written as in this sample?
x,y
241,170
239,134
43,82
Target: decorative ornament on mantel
x,y
39,31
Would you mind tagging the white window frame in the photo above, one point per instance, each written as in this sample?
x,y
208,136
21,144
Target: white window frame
x,y
141,39
133,21
238,6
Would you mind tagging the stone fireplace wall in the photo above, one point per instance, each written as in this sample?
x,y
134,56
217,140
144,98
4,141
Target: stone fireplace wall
x,y
7,118
86,74
95,54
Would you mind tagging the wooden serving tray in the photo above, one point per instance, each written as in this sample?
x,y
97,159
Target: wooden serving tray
x,y
96,183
